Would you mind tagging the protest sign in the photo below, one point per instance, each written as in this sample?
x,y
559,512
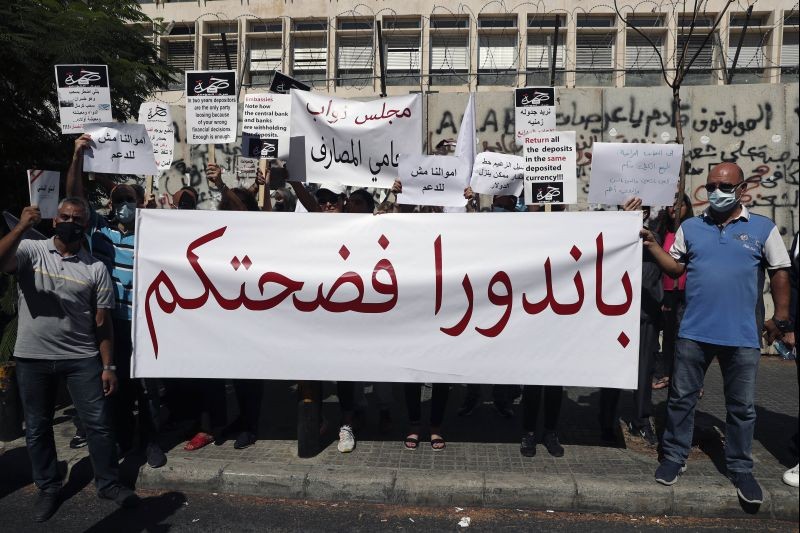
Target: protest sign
x,y
621,171
210,106
549,298
494,173
266,117
534,110
119,148
246,167
550,168
282,84
355,143
157,120
433,180
84,96
43,186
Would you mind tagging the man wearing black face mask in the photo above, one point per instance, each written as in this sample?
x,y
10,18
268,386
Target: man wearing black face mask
x,y
113,243
65,299
185,198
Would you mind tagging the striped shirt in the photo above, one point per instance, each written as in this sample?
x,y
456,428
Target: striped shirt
x,y
115,250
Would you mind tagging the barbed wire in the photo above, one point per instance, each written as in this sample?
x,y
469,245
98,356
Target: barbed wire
x,y
597,44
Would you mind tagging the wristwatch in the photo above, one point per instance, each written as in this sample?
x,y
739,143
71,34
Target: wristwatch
x,y
111,368
785,326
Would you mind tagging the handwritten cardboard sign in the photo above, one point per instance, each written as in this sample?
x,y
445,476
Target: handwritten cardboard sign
x,y
246,168
119,148
282,84
43,187
157,120
211,114
433,180
352,142
550,168
621,171
437,296
267,116
84,96
497,174
534,110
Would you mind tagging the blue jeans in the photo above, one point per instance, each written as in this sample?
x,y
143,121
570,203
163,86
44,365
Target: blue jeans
x,y
38,381
739,368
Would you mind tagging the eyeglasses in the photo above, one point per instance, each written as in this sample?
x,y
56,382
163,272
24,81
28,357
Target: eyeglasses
x,y
727,188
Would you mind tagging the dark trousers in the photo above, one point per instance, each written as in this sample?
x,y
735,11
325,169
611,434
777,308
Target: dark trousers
x,y
532,397
675,302
438,402
38,381
642,396
501,394
249,393
346,392
201,401
132,394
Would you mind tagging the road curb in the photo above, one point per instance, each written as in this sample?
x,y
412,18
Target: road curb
x,y
558,492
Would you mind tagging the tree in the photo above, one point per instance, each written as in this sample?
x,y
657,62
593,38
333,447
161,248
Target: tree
x,y
35,35
683,64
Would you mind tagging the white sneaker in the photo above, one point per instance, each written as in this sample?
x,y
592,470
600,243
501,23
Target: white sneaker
x,y
792,477
347,441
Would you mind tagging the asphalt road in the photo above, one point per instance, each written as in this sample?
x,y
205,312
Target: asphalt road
x,y
177,512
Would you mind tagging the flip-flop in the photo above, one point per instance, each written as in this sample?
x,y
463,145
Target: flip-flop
x,y
198,441
411,442
437,443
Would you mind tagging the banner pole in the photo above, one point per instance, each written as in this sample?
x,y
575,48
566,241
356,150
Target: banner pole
x,y
262,189
148,187
212,154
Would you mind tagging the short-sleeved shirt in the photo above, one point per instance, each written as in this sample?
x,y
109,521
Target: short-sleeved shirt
x,y
722,266
58,298
115,250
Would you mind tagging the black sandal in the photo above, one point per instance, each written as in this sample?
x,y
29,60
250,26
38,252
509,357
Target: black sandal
x,y
438,444
411,442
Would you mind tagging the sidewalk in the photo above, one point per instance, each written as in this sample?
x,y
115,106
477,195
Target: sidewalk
x,y
482,465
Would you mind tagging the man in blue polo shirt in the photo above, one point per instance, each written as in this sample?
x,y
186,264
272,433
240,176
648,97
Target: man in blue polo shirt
x,y
113,244
721,251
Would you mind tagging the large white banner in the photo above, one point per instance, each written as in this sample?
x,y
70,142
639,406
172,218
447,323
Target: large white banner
x,y
540,298
355,143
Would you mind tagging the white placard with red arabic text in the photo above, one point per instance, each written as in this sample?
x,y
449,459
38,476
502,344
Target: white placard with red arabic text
x,y
541,298
355,143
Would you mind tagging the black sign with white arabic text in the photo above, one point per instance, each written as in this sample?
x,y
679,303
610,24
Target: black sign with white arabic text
x,y
211,83
534,96
281,83
69,76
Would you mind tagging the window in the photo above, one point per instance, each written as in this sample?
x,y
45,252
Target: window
x,y
177,49
219,53
265,58
395,23
497,59
702,70
264,27
756,19
354,61
594,59
752,60
789,52
402,59
310,59
540,57
497,22
642,64
594,21
449,51
310,25
355,24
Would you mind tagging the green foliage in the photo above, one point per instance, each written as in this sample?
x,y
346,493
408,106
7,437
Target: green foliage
x,y
35,35
8,316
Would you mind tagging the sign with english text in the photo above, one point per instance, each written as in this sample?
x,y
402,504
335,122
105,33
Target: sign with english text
x,y
266,117
355,143
548,298
211,106
550,168
119,148
621,171
84,96
437,180
157,120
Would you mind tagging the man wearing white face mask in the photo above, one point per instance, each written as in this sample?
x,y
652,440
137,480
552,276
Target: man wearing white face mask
x,y
721,251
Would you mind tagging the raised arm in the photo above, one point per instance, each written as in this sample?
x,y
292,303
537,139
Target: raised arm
x,y
8,245
75,172
214,175
308,201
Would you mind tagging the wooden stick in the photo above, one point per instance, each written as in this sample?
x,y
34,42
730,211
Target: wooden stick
x,y
148,187
212,154
262,189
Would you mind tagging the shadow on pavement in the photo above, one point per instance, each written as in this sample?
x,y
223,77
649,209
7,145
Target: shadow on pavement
x,y
148,516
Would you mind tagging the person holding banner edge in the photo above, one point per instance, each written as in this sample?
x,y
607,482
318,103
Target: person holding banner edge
x,y
65,329
721,251
114,246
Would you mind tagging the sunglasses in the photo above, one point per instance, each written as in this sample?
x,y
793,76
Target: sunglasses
x,y
724,187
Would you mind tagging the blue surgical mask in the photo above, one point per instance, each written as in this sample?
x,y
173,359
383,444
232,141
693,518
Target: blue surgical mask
x,y
722,202
126,212
496,209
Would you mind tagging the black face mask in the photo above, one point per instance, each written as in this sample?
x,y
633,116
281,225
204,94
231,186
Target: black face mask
x,y
186,202
69,232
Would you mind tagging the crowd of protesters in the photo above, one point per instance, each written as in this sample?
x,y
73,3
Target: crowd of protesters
x,y
700,292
